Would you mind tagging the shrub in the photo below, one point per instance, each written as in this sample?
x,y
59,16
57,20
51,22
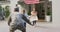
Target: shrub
x,y
7,11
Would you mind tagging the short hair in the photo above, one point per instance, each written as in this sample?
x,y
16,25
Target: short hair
x,y
16,9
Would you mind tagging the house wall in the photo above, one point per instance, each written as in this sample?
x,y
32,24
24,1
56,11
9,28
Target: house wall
x,y
56,12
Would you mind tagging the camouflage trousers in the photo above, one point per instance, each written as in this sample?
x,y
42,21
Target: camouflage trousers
x,y
19,27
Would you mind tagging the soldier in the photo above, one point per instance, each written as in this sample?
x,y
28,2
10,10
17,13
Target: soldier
x,y
17,21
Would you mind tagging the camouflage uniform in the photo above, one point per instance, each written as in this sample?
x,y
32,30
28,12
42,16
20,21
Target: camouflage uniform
x,y
18,22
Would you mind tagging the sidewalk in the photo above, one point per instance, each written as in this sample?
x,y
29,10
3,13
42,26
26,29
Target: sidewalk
x,y
43,27
39,27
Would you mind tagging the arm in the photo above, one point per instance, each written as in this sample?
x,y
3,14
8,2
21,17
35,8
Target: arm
x,y
27,20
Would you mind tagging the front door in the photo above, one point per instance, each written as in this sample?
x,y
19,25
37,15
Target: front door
x,y
41,12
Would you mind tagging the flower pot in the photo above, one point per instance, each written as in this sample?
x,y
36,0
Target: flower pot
x,y
48,18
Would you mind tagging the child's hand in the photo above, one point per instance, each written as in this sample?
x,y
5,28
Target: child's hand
x,y
29,17
32,24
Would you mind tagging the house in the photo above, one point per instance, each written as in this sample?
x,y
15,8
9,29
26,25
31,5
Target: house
x,y
41,8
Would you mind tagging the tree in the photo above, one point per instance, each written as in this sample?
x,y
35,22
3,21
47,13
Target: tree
x,y
7,11
0,8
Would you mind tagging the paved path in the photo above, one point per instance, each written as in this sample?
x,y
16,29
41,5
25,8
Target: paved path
x,y
5,28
